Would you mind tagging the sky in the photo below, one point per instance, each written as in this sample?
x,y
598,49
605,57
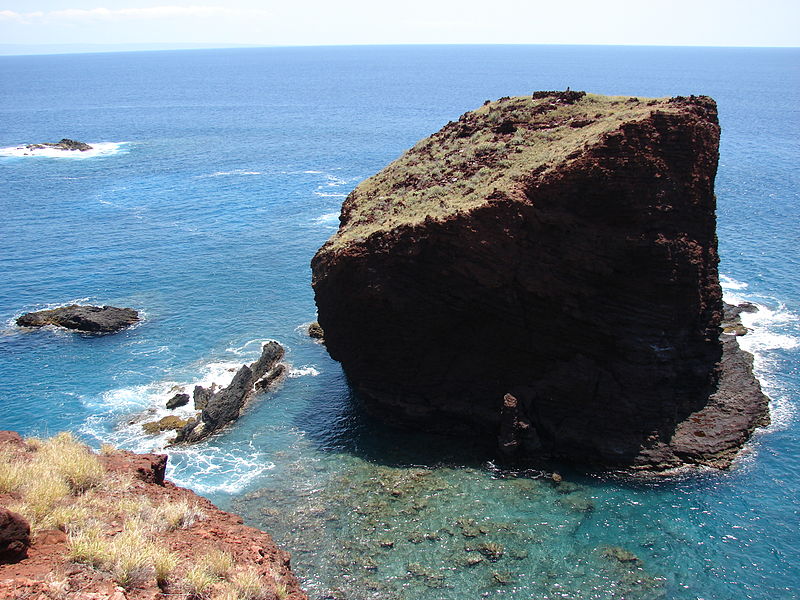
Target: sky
x,y
335,22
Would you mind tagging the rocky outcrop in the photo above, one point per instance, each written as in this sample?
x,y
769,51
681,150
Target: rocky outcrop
x,y
315,331
225,406
15,536
90,319
177,401
544,272
64,144
50,572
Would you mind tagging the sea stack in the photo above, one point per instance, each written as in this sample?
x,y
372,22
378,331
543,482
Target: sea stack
x,y
543,272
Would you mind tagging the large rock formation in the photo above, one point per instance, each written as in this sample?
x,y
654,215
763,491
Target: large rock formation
x,y
543,271
90,319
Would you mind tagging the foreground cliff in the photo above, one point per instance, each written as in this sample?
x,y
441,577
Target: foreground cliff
x,y
544,272
75,525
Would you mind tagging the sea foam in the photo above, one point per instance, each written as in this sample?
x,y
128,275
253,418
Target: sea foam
x,y
98,149
772,329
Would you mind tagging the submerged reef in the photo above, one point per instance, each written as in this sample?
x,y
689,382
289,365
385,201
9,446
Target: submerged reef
x,y
543,272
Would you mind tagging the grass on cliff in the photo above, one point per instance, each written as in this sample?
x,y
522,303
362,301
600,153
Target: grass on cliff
x,y
502,145
59,483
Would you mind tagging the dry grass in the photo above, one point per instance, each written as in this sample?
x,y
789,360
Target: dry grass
x,y
130,557
249,585
60,484
72,461
198,582
52,472
457,168
217,563
12,473
176,515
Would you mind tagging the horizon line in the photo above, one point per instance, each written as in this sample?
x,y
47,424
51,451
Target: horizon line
x,y
100,48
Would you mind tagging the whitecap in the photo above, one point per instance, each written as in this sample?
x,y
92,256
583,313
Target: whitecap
x,y
249,347
331,218
235,172
729,283
773,327
305,370
326,195
98,149
206,469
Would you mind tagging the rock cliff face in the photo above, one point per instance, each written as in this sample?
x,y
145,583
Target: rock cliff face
x,y
542,271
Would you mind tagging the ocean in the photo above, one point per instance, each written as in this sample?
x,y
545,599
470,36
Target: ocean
x,y
218,174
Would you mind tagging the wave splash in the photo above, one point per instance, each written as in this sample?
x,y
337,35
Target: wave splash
x,y
225,464
772,331
98,149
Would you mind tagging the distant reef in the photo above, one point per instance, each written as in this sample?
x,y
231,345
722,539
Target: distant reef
x,y
542,272
64,144
90,319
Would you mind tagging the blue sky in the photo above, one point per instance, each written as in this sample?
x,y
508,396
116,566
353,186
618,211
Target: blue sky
x,y
315,22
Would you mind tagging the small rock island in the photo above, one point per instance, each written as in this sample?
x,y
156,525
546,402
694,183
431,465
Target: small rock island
x,y
543,273
64,144
89,319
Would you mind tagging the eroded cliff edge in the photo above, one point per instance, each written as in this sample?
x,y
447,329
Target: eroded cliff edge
x,y
544,271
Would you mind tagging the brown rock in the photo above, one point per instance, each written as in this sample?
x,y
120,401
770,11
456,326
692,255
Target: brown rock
x,y
15,536
315,331
168,423
578,274
11,437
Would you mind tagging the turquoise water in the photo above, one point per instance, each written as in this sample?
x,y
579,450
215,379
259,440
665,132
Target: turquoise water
x,y
223,174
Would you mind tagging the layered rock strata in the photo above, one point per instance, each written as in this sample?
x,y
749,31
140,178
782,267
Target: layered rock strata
x,y
544,271
89,319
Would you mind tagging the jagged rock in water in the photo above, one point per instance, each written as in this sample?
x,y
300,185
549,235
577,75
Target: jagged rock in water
x,y
177,401
225,406
315,331
91,319
560,249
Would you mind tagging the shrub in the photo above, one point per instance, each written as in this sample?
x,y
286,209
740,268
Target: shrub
x,y
177,515
198,582
249,584
88,546
11,473
217,563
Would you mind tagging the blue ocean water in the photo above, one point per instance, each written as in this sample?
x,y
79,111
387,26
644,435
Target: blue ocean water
x,y
223,172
